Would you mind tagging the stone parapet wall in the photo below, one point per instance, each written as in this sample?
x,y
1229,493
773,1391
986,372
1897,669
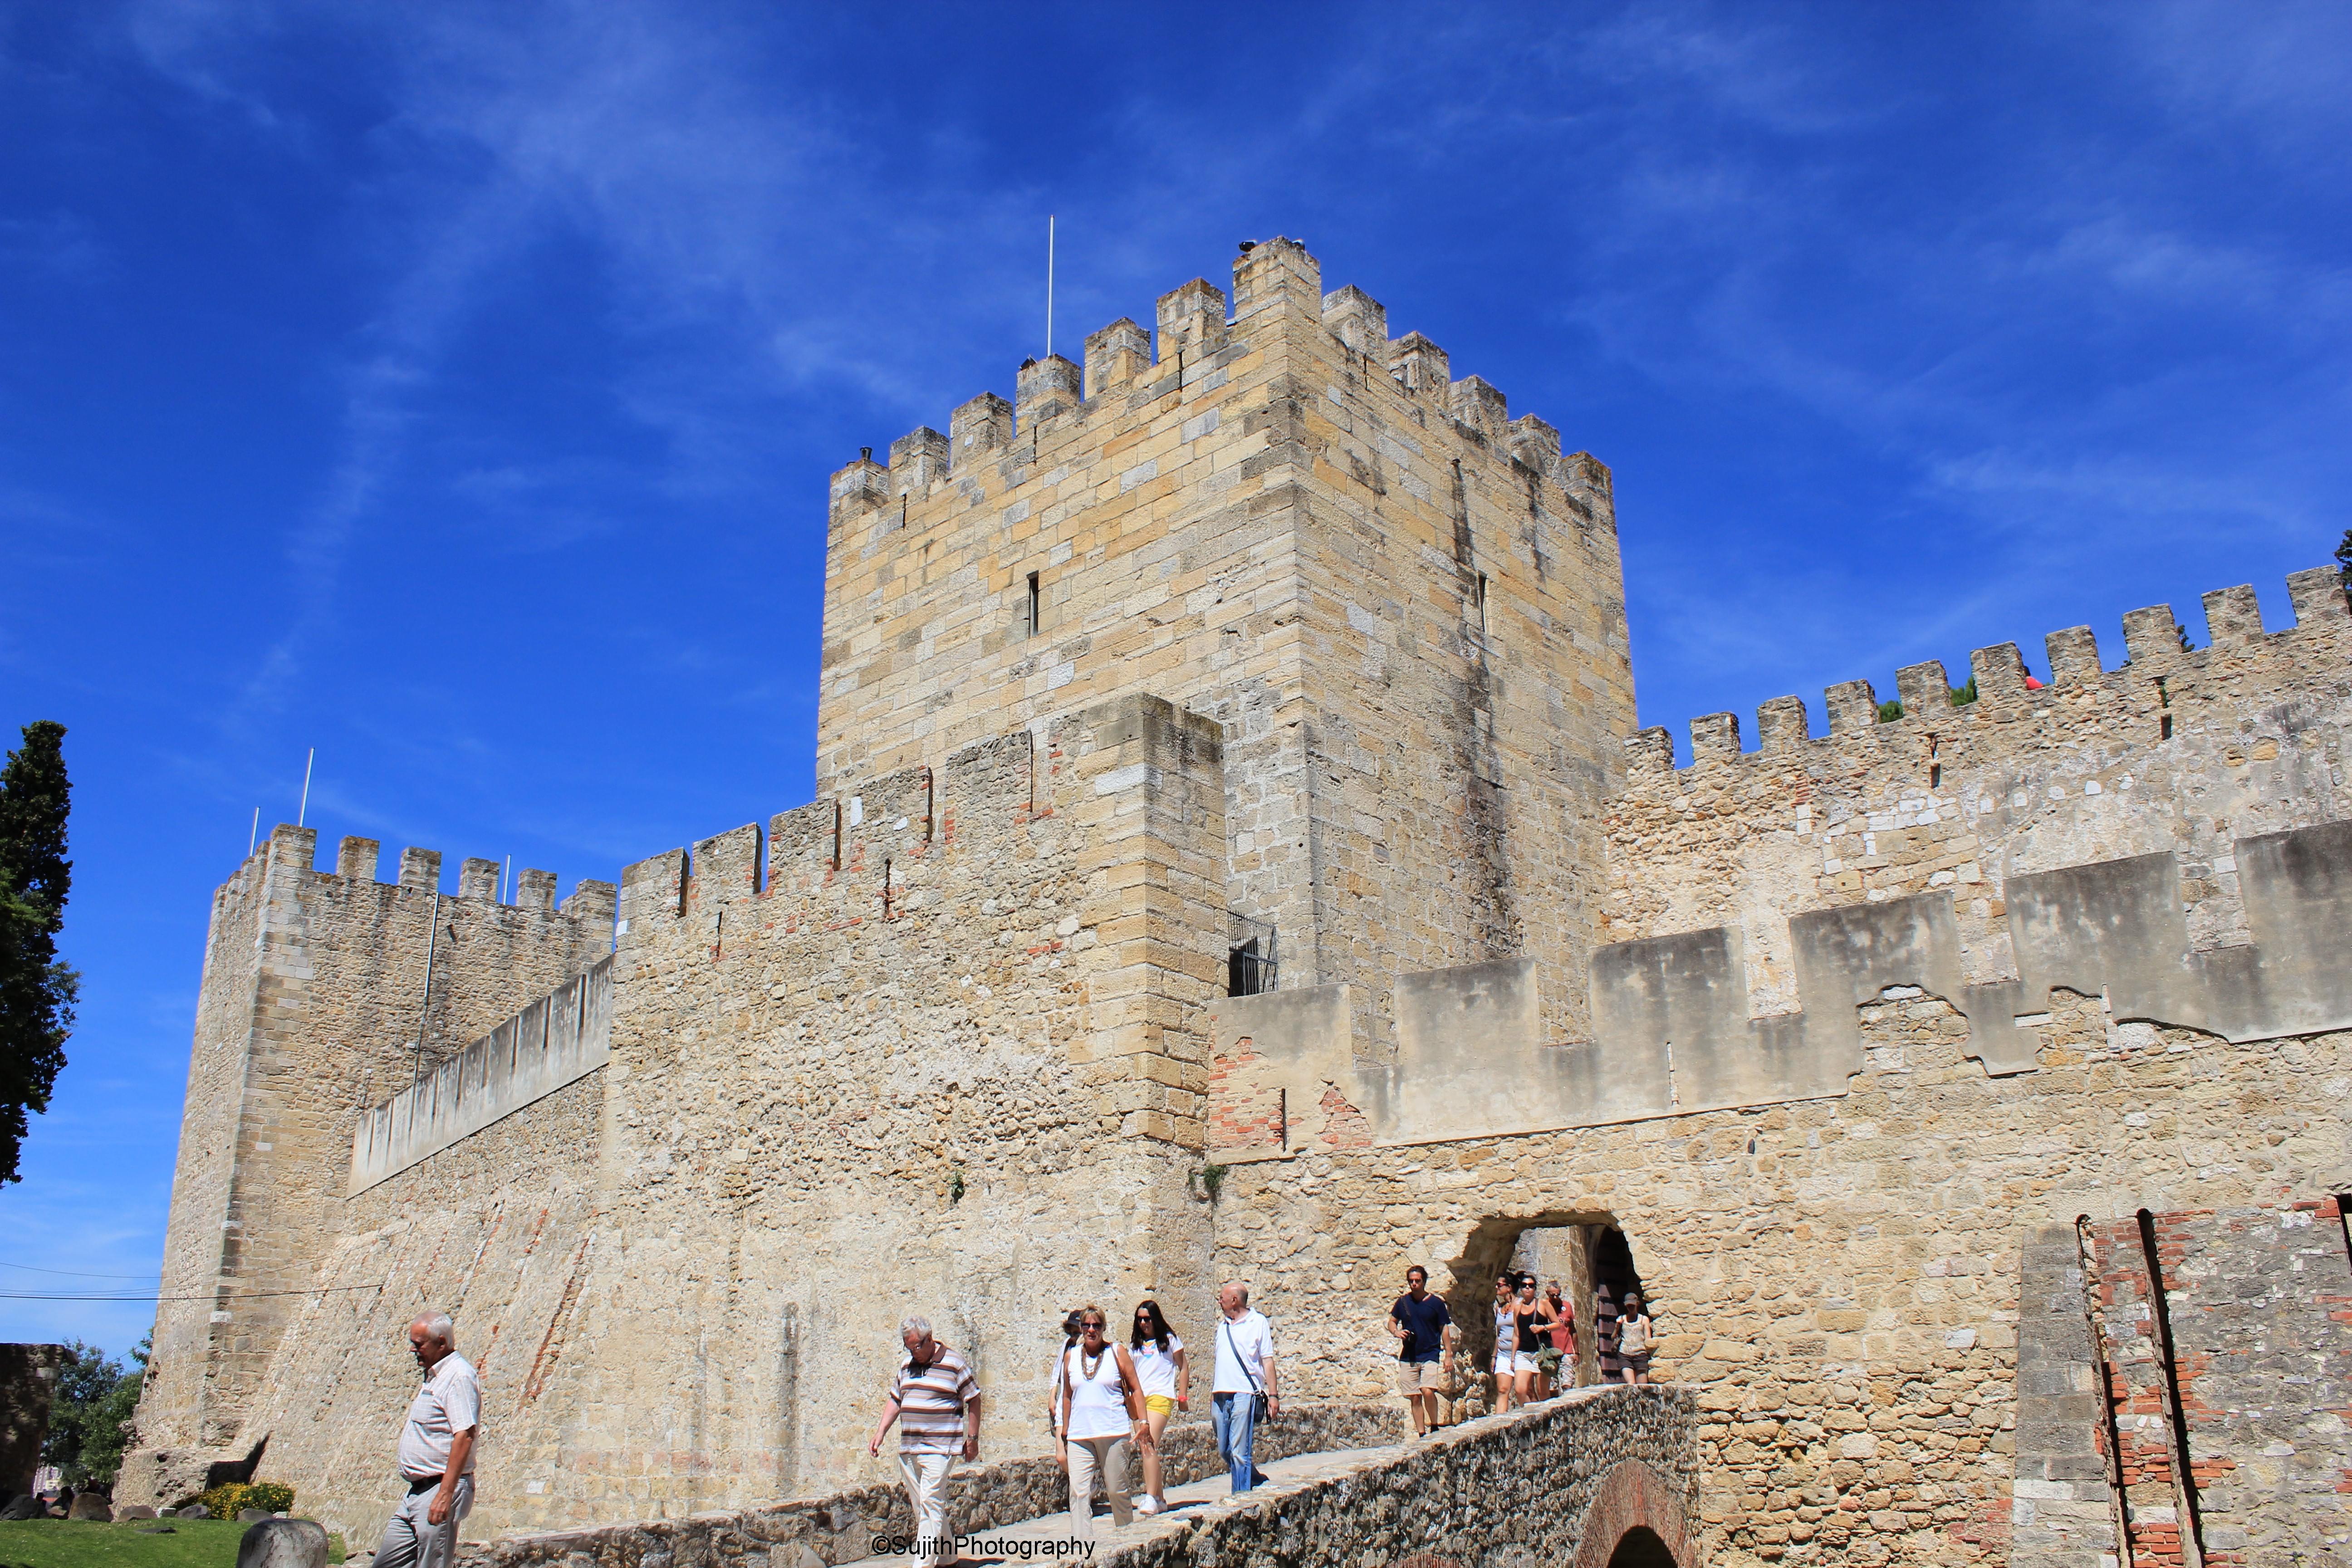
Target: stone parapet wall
x,y
559,1039
2179,753
1562,1482
839,1526
1673,1031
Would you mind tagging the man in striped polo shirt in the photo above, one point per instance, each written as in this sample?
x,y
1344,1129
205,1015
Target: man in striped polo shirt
x,y
937,1405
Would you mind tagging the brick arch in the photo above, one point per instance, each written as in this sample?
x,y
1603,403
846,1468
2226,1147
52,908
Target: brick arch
x,y
1632,1497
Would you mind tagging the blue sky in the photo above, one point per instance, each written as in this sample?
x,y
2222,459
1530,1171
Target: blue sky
x,y
453,388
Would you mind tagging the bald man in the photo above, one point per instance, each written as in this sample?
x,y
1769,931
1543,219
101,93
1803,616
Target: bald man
x,y
1243,1382
436,1451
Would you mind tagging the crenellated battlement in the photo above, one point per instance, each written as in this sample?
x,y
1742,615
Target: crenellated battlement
x,y
862,849
358,860
2156,669
1198,334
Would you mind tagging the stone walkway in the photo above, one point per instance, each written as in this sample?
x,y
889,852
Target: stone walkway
x,y
1187,1506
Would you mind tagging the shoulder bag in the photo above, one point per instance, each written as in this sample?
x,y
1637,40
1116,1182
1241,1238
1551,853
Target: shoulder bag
x,y
1258,1390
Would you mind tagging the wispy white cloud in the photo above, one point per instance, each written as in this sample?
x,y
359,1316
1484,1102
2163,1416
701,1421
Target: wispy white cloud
x,y
61,245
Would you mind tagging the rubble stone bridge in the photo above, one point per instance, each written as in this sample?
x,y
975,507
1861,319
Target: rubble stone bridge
x,y
1599,1478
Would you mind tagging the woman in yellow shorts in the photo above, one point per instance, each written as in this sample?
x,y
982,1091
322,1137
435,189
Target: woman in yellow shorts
x,y
1159,1369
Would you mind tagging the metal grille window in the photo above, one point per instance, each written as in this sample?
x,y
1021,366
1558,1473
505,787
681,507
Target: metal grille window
x,y
1250,967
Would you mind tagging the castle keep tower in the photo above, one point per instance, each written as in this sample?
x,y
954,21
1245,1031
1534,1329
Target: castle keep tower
x,y
1403,604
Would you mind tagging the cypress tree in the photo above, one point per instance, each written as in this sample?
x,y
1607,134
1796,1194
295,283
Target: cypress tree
x,y
36,990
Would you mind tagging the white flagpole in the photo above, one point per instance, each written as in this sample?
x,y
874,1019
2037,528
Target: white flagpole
x,y
1049,285
302,813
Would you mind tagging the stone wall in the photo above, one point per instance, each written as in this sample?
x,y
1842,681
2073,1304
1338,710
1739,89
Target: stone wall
x,y
1836,1280
314,1004
839,1526
2066,1508
499,1231
936,1047
2258,1317
2187,753
2224,1355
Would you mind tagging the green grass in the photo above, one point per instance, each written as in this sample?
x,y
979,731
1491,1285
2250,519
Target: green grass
x,y
85,1543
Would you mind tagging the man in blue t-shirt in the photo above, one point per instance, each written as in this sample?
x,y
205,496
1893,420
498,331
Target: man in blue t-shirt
x,y
1424,1331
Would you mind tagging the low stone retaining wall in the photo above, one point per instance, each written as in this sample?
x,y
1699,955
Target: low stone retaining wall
x,y
1563,1481
840,1528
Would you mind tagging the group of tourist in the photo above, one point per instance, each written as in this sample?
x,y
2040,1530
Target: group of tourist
x,y
1098,1383
1111,1401
1535,1338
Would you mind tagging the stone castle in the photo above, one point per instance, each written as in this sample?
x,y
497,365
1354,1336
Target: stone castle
x,y
1234,857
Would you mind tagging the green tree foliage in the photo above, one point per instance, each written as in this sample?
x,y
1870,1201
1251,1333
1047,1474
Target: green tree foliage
x,y
2344,559
1891,709
90,1418
36,989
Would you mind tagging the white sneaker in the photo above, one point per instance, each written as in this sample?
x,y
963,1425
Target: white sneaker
x,y
1147,1504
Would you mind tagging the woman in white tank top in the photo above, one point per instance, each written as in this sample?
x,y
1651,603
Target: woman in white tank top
x,y
1102,1417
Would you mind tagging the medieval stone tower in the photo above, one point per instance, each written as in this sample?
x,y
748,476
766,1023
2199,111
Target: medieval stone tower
x,y
1403,607
1234,857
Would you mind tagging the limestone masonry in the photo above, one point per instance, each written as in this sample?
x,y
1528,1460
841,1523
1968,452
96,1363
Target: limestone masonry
x,y
1234,857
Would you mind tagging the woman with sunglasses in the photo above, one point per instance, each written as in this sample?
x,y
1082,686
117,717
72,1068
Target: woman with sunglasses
x,y
1159,1363
1563,1334
1507,1334
1102,1414
1529,1325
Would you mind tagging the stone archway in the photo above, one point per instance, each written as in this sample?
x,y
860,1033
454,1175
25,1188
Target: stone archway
x,y
1641,1548
1634,1520
1603,1270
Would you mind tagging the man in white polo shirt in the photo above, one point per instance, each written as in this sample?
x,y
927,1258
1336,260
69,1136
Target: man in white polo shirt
x,y
1244,1373
436,1451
